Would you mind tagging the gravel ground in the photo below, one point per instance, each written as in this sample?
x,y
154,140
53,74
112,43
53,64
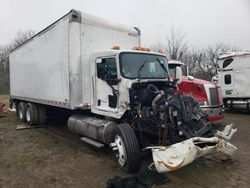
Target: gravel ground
x,y
54,157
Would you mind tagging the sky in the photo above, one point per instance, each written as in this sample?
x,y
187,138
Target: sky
x,y
202,21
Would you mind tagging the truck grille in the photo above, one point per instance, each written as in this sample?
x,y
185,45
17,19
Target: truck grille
x,y
213,97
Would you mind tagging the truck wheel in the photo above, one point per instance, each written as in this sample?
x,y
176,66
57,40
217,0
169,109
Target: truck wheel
x,y
128,148
21,111
41,114
31,114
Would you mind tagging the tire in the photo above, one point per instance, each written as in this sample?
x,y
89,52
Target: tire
x,y
31,114
41,114
128,148
21,111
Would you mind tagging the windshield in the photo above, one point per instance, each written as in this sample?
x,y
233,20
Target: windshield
x,y
172,69
139,65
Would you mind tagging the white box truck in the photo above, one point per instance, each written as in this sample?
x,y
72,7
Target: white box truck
x,y
233,71
119,96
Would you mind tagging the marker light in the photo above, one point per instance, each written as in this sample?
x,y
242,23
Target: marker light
x,y
116,47
141,49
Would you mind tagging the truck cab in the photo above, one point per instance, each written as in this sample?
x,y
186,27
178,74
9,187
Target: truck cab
x,y
233,70
207,94
116,71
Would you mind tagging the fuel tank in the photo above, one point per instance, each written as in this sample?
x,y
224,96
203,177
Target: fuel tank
x,y
98,129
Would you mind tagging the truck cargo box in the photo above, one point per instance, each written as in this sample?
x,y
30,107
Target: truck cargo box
x,y
53,67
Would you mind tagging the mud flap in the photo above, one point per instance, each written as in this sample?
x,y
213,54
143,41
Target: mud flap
x,y
181,154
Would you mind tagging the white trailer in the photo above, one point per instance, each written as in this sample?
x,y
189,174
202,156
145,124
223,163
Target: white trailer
x,y
233,71
122,98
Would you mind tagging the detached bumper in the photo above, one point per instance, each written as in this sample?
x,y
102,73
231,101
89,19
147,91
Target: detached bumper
x,y
181,154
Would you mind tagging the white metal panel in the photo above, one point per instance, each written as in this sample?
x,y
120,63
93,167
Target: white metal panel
x,y
103,23
75,66
241,83
232,54
39,69
238,63
239,70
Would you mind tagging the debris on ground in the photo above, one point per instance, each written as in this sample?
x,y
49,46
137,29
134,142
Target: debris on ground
x,y
183,153
12,109
24,126
144,180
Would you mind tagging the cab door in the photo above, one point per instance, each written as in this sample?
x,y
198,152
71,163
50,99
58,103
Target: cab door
x,y
106,85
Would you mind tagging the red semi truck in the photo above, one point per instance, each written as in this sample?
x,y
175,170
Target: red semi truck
x,y
206,93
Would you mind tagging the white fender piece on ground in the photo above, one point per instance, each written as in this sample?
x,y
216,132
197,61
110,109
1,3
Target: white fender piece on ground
x,y
12,109
178,155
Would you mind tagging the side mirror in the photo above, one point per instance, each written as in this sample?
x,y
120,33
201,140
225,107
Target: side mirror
x,y
178,75
215,78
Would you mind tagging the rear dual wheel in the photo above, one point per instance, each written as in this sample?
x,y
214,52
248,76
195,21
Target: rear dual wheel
x,y
41,114
21,111
31,113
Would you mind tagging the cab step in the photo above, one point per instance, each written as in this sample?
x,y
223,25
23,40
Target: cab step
x,y
92,142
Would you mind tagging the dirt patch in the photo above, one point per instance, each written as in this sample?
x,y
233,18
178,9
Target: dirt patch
x,y
54,157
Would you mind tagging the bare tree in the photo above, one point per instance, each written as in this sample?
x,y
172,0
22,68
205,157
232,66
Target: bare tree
x,y
175,47
20,38
201,62
204,60
177,44
189,58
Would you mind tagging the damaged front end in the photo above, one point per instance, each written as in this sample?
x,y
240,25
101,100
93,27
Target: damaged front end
x,y
173,126
161,118
181,154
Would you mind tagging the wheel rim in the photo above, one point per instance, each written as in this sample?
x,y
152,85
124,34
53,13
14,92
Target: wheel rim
x,y
28,114
121,150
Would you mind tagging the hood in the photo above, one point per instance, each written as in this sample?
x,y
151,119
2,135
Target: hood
x,y
195,80
194,87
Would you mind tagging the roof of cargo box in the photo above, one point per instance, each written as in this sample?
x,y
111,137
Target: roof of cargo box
x,y
233,54
81,17
97,21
